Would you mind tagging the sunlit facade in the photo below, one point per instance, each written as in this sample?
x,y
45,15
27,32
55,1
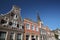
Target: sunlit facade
x,y
31,30
12,27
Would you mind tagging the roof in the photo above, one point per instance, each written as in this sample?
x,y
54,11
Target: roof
x,y
30,20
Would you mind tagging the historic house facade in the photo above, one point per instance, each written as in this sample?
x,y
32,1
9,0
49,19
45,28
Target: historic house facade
x,y
11,26
31,30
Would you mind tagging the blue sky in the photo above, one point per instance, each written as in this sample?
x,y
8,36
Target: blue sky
x,y
49,10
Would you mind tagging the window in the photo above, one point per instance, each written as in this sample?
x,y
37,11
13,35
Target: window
x,y
12,36
36,28
20,27
2,35
15,16
19,37
43,31
27,26
33,27
14,24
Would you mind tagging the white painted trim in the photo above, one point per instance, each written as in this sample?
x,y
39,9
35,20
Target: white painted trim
x,y
6,36
29,26
14,36
21,36
29,37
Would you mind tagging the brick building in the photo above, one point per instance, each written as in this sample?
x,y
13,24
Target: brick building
x,y
31,30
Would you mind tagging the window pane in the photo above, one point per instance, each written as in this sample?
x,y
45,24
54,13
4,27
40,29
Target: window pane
x,y
36,28
18,36
2,35
32,27
27,26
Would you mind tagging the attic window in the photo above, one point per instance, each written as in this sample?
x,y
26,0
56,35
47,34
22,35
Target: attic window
x,y
3,21
10,23
12,14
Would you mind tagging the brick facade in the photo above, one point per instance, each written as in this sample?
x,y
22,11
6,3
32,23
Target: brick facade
x,y
31,32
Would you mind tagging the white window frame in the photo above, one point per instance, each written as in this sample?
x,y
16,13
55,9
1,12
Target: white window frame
x,y
37,29
20,35
28,27
33,28
20,26
13,35
5,35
